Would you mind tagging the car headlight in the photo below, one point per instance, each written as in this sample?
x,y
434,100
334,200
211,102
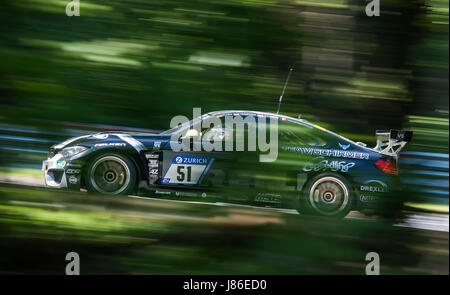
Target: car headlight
x,y
73,150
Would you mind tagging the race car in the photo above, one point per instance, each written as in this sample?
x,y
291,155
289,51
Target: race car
x,y
259,159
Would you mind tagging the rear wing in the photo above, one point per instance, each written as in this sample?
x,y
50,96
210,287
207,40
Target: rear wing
x,y
391,142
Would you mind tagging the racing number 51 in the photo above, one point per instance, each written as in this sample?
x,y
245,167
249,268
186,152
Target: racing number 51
x,y
181,174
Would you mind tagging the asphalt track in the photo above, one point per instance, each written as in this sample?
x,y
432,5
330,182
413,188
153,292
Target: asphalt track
x,y
424,221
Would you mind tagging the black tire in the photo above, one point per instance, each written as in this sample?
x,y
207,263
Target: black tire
x,y
327,195
111,174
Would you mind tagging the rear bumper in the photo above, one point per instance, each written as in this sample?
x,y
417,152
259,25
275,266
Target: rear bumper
x,y
376,194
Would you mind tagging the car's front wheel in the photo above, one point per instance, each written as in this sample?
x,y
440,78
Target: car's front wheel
x,y
327,194
111,174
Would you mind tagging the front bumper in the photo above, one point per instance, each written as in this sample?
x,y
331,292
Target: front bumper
x,y
59,173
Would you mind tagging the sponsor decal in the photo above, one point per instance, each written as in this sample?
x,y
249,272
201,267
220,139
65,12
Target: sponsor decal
x,y
367,198
268,198
109,144
370,188
73,179
185,194
344,146
60,164
327,165
152,156
374,186
187,170
73,171
153,167
191,160
327,152
374,189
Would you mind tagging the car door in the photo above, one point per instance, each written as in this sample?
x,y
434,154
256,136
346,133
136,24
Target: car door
x,y
220,171
232,175
185,169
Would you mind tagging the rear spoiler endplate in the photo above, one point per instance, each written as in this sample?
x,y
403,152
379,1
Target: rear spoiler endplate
x,y
391,142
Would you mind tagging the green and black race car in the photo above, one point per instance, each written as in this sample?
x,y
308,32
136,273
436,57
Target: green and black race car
x,y
295,165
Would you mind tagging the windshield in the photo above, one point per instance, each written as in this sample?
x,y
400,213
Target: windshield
x,y
185,125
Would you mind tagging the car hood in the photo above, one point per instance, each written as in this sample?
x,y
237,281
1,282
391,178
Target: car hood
x,y
142,140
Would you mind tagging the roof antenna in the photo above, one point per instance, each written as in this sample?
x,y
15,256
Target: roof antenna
x,y
284,88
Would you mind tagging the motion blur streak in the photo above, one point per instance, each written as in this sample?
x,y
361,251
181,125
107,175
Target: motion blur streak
x,y
133,65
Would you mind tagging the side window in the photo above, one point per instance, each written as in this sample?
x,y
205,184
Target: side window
x,y
238,133
296,134
217,134
211,132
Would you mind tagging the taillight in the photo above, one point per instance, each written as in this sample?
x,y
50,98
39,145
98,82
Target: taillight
x,y
387,166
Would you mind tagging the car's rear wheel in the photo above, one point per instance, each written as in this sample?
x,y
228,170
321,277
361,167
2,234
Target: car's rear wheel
x,y
111,174
327,194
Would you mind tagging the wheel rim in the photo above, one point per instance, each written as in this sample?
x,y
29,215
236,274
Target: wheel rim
x,y
110,175
329,196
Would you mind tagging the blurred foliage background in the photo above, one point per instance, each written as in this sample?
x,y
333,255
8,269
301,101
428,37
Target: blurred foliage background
x,y
138,63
